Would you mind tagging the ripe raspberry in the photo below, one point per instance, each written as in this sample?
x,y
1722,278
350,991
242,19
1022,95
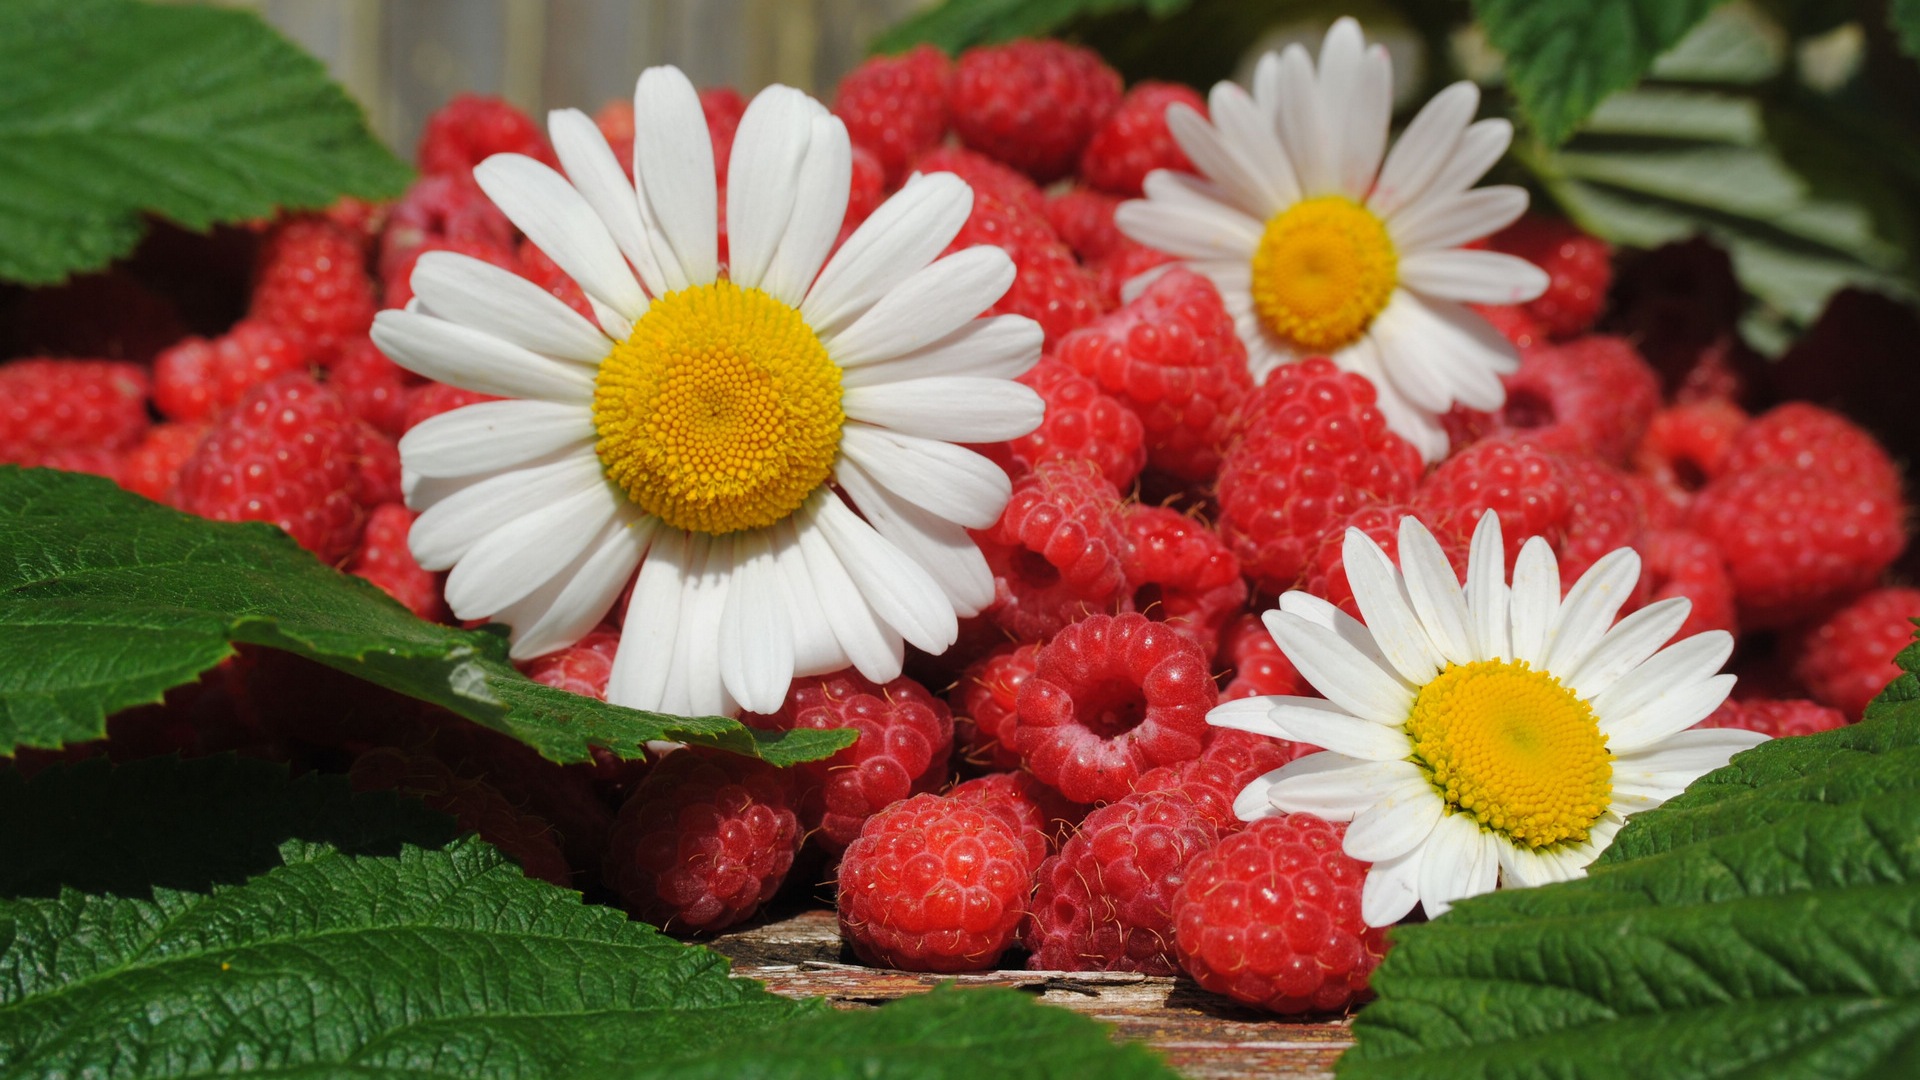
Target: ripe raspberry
x,y
1676,562
1027,807
1259,668
1049,286
1578,267
723,107
429,400
581,668
1804,436
986,177
563,795
1271,917
376,468
896,106
1686,446
1134,140
535,266
1105,903
986,697
199,377
472,128
1312,450
1032,104
397,292
1111,697
703,841
1797,541
906,736
1604,512
374,387
1326,572
866,190
384,559
1592,395
312,282
934,884
1182,574
1081,422
1083,219
1776,719
1057,551
1514,322
285,455
1846,659
1528,487
92,460
1123,264
152,467
48,405
1173,356
1231,761
449,211
473,803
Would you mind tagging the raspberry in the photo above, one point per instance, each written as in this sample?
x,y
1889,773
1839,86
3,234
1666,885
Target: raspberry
x,y
1578,270
471,802
1105,903
429,400
1593,395
986,697
1326,573
905,738
1686,446
722,106
1049,286
1528,487
376,468
1231,761
199,377
1123,264
312,282
535,266
374,387
986,177
1604,512
1111,697
581,668
1260,669
1083,422
1846,659
398,290
1171,355
866,190
1676,562
95,461
934,884
1776,719
472,128
1182,574
1514,323
286,455
615,121
563,795
1057,551
703,841
67,319
384,559
152,467
1032,104
1797,541
896,106
1313,449
1037,814
449,211
70,404
1804,436
1271,917
1134,140
1083,219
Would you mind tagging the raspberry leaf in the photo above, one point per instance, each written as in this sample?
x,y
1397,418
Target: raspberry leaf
x,y
113,109
1904,15
1760,923
107,600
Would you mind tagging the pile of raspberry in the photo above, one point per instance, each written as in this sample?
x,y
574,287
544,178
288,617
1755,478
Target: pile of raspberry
x,y
1048,792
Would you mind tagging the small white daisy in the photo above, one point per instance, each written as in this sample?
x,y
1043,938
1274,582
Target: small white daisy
x,y
1321,249
772,443
1496,734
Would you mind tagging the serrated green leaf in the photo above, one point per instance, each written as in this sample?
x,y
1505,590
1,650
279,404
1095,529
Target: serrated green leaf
x,y
107,600
1766,922
1904,17
954,25
1565,56
111,109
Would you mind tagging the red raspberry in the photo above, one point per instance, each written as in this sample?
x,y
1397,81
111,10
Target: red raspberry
x,y
1592,395
1173,356
1081,422
1686,446
1271,917
376,468
1578,267
1083,219
1032,104
703,841
1105,903
1604,513
1134,140
1514,322
1326,573
1313,449
866,190
986,697
1057,551
1804,436
561,794
1247,756
1038,814
1676,562
581,668
896,106
286,455
723,107
906,736
1111,697
1846,659
615,121
1215,779
1123,264
94,461
1528,487
986,177
1775,719
312,282
1049,286
199,377
152,467
1795,541
1182,574
70,404
429,400
1260,669
934,884
472,128
439,211
374,387
384,559
535,266
398,290
477,806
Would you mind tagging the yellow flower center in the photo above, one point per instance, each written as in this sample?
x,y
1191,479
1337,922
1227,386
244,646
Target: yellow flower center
x,y
720,412
1325,267
1513,749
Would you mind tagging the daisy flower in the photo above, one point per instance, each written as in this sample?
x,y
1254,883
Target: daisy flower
x,y
1321,248
1493,735
771,443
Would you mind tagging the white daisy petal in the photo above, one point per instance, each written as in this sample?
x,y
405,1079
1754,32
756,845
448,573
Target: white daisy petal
x,y
1675,710
645,657
996,347
1349,629
1266,88
930,304
1454,339
673,172
1649,777
899,590
1480,277
769,145
1334,787
1253,714
1631,641
756,651
1449,870
493,435
697,651
1303,126
1189,232
1418,371
478,294
596,174
954,408
1423,149
1483,145
1524,868
871,647
949,481
558,220
1456,219
819,209
579,597
899,238
1686,662
1252,803
1400,821
1435,592
1326,725
815,650
1421,427
473,360
1392,889
1341,672
1588,610
941,547
1246,138
1487,589
1534,600
444,532
515,559
1364,142
1378,590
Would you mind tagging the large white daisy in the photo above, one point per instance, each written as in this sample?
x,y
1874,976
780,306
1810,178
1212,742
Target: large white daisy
x,y
772,443
1493,735
1320,249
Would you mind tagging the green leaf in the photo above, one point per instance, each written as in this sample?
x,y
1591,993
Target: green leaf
x,y
1904,16
954,25
1765,922
111,109
107,600
1565,56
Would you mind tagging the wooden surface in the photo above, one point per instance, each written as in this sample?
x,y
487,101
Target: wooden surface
x,y
1201,1035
